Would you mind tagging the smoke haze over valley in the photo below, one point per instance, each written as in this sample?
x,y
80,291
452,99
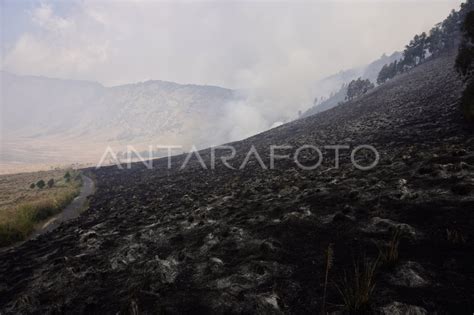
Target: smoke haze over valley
x,y
253,66
59,121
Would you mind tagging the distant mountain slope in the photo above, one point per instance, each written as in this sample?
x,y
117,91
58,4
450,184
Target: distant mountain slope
x,y
333,85
37,105
67,120
55,121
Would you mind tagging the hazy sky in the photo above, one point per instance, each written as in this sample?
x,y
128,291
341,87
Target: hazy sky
x,y
253,44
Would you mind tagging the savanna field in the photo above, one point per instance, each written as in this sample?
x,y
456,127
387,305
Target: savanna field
x,y
27,199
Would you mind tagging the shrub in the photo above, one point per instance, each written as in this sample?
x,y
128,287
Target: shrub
x,y
40,184
32,186
50,183
67,176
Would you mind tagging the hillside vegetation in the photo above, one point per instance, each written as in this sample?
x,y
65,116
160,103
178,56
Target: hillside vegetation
x,y
443,37
29,198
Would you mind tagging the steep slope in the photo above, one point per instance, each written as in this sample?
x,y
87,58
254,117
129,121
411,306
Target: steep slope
x,y
334,100
333,84
372,70
253,240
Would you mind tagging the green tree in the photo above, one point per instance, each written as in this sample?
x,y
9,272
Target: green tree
x,y
434,41
394,69
357,88
383,74
465,58
465,65
415,51
388,71
67,176
442,37
40,184
451,30
409,53
50,183
421,48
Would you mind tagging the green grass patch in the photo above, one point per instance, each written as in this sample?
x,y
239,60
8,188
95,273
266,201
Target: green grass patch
x,y
24,218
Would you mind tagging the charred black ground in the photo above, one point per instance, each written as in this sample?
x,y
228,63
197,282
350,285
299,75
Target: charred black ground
x,y
253,240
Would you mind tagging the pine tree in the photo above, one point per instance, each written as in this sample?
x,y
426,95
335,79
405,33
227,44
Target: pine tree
x,y
358,87
451,30
465,65
394,69
465,57
442,37
383,74
435,40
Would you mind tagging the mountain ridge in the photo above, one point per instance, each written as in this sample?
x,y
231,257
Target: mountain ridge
x,y
91,82
62,113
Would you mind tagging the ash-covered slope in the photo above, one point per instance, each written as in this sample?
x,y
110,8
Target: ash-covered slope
x,y
253,240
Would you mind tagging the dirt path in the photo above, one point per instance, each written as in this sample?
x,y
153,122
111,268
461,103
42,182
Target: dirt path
x,y
72,211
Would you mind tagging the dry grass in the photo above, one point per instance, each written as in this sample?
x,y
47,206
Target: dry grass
x,y
22,207
455,237
389,254
356,289
329,262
